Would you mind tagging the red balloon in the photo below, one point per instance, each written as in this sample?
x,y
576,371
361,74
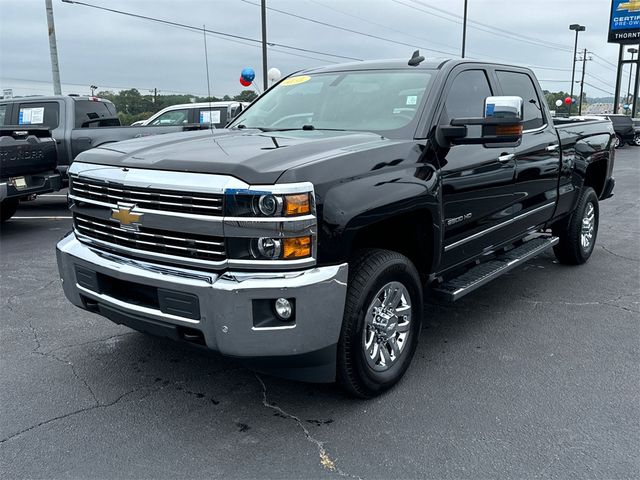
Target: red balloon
x,y
244,83
567,100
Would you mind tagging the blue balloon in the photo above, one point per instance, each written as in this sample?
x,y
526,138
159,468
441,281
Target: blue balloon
x,y
573,100
248,74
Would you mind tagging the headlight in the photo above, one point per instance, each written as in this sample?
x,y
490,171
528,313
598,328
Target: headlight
x,y
265,248
269,205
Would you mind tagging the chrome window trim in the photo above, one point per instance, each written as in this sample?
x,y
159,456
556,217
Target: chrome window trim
x,y
538,129
498,226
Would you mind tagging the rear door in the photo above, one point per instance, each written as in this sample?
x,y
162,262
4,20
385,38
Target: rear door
x,y
537,161
477,182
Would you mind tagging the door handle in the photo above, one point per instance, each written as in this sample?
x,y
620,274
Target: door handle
x,y
506,157
552,148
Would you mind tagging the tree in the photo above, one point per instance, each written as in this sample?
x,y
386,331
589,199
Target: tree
x,y
246,96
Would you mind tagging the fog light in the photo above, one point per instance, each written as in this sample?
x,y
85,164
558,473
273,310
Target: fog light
x,y
284,308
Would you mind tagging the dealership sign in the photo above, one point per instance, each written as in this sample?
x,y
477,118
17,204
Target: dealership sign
x,y
624,25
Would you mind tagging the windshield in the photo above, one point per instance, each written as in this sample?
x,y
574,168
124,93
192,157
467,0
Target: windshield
x,y
364,100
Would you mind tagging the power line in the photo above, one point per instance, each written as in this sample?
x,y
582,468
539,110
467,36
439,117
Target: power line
x,y
600,89
381,25
483,27
199,30
349,30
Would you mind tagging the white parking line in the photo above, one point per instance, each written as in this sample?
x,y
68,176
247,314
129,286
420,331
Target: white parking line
x,y
51,217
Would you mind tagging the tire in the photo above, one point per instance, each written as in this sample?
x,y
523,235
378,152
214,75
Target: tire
x,y
373,275
617,142
636,140
580,227
8,208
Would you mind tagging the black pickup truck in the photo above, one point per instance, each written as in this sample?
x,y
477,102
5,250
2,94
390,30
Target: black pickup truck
x,y
28,161
303,238
77,123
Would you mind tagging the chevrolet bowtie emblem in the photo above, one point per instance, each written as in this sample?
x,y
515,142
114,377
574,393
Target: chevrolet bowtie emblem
x,y
123,214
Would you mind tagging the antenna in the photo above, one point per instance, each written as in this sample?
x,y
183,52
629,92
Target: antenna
x,y
416,59
206,62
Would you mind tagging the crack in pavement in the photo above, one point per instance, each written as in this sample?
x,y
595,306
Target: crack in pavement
x,y
81,410
618,255
325,460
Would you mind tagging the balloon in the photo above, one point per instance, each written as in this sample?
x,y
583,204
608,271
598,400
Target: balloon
x,y
558,102
244,82
573,100
274,75
248,75
567,100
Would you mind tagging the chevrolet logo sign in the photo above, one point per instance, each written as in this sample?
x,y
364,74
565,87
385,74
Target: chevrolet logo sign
x,y
127,219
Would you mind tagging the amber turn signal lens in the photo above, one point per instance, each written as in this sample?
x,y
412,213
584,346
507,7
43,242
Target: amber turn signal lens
x,y
298,247
299,204
509,130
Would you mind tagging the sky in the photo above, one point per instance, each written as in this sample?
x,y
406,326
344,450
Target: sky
x,y
115,51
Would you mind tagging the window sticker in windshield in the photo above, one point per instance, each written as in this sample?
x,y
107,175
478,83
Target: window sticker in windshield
x,y
296,80
412,99
30,116
210,116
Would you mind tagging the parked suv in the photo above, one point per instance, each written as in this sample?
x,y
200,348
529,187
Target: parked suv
x,y
217,114
636,128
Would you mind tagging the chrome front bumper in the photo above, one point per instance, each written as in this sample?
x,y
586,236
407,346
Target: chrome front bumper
x,y
227,304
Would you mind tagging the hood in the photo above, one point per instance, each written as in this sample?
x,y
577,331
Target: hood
x,y
250,155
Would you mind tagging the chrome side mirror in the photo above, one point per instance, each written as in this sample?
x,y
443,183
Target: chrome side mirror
x,y
504,107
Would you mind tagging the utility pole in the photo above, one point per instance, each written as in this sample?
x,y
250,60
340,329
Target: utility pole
x,y
53,49
584,65
265,85
577,28
464,29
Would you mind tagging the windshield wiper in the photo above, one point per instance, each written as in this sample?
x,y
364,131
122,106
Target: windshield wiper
x,y
303,127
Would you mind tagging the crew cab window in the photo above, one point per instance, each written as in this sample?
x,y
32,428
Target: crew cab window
x,y
89,112
173,117
3,114
521,85
466,96
42,114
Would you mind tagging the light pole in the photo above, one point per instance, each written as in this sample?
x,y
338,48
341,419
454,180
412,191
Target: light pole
x,y
464,30
632,51
577,28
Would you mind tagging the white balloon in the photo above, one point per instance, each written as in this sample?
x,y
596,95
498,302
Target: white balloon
x,y
558,103
274,75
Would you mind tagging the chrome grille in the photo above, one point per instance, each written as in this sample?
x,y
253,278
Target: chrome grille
x,y
191,246
147,198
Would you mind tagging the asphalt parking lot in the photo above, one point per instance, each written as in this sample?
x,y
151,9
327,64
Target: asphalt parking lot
x,y
536,375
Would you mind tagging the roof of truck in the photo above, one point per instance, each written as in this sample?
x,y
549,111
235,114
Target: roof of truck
x,y
394,64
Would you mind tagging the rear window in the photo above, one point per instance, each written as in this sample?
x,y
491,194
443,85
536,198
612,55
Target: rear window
x,y
3,114
41,114
521,85
88,112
